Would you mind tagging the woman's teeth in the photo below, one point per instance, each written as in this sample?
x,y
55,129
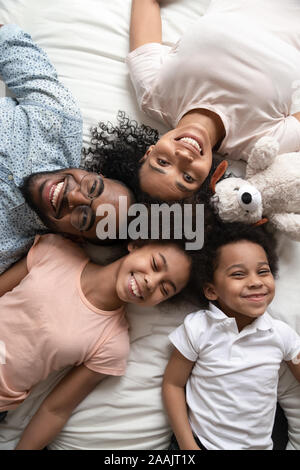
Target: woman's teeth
x,y
192,142
54,193
134,287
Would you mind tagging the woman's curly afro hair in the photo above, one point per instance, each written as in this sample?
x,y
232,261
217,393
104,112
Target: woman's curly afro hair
x,y
116,151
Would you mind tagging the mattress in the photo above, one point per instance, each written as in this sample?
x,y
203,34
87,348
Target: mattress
x,y
87,41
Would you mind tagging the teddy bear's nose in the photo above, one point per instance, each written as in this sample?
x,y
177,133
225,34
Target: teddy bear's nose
x,y
246,198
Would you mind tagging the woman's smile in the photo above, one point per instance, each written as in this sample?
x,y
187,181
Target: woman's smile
x,y
192,143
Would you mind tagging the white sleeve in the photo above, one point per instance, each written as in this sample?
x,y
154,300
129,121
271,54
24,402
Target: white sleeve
x,y
187,337
290,340
287,133
144,64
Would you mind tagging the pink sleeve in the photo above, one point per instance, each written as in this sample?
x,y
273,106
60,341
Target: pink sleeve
x,y
144,64
111,357
34,252
45,248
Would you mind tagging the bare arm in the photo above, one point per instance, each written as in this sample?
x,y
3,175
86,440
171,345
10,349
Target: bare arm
x,y
297,115
145,24
175,378
57,407
13,276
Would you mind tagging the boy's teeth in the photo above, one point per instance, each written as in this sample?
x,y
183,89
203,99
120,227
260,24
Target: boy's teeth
x,y
56,193
193,142
134,287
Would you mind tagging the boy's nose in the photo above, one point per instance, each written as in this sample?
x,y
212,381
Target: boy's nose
x,y
255,282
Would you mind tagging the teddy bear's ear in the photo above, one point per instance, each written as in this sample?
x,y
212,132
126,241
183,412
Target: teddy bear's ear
x,y
261,222
218,173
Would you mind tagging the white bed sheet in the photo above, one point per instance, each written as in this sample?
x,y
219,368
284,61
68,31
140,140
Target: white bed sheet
x,y
87,40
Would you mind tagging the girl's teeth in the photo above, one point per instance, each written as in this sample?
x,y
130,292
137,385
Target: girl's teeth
x,y
193,142
134,288
56,193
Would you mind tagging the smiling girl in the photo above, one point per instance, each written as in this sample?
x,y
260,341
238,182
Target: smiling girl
x,y
226,359
57,308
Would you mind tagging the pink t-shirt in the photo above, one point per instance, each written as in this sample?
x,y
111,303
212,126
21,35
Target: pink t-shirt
x,y
46,323
232,64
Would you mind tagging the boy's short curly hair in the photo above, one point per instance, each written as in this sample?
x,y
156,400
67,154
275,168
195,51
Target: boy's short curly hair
x,y
227,233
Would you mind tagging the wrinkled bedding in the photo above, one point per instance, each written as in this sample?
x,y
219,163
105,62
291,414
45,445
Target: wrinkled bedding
x,y
87,40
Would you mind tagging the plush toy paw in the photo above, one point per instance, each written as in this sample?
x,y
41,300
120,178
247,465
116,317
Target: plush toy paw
x,y
262,156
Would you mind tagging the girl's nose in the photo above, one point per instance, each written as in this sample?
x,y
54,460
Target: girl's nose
x,y
76,198
149,283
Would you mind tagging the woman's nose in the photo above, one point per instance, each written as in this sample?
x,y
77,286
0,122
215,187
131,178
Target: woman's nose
x,y
184,156
76,198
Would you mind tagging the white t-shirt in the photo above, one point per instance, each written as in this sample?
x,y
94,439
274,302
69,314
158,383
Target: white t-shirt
x,y
242,69
232,390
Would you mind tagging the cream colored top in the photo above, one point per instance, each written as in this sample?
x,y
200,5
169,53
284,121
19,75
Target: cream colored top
x,y
232,64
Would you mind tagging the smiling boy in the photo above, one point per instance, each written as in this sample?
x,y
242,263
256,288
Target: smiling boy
x,y
220,386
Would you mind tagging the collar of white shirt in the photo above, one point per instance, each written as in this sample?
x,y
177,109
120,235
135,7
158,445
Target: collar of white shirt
x,y
262,323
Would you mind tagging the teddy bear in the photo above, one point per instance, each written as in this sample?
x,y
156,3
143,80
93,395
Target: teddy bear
x,y
270,191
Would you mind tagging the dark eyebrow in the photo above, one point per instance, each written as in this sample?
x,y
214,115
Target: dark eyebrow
x,y
93,218
159,170
261,263
166,266
92,221
180,186
235,266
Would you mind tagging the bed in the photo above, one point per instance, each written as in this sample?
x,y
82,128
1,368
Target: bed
x,y
87,40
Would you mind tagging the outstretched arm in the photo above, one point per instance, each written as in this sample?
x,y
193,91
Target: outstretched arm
x,y
145,24
175,378
13,276
28,72
57,407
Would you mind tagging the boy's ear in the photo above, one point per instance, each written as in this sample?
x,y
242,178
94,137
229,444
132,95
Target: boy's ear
x,y
209,291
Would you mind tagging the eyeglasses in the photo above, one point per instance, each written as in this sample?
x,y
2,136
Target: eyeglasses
x,y
83,217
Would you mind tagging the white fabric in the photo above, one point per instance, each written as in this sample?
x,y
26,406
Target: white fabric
x,y
232,390
228,64
87,40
